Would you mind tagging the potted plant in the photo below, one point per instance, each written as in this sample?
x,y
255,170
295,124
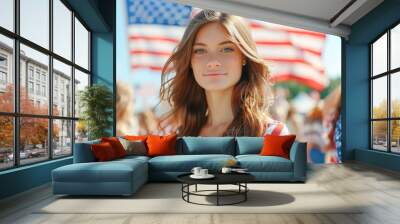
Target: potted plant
x,y
96,103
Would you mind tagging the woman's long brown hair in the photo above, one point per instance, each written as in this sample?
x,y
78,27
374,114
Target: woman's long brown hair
x,y
188,100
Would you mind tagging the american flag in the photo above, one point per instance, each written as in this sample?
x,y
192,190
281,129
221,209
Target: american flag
x,y
156,27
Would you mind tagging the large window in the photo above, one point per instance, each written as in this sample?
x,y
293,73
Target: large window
x,y
44,64
385,92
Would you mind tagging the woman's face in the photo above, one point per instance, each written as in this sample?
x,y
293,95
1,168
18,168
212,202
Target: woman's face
x,y
216,61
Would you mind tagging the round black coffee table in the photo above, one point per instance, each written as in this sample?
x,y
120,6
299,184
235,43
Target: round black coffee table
x,y
238,179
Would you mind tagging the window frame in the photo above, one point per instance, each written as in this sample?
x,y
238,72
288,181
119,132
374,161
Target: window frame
x,y
16,115
388,74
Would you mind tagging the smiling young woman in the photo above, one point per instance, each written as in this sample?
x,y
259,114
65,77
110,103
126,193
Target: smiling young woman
x,y
215,81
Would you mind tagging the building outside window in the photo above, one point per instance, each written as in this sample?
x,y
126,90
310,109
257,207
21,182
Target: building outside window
x,y
3,72
385,94
34,75
30,72
43,90
30,87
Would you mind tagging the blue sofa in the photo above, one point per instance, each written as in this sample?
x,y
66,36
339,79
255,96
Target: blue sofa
x,y
126,175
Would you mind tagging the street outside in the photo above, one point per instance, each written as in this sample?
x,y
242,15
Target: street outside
x,y
33,155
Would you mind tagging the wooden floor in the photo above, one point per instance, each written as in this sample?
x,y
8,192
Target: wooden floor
x,y
377,188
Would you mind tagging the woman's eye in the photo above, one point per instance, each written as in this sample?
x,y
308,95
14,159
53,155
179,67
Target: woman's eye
x,y
199,51
227,49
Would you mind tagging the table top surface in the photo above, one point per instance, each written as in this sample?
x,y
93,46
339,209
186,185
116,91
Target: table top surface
x,y
220,178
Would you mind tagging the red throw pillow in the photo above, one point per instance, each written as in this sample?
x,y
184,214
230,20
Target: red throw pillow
x,y
103,151
116,145
161,145
277,145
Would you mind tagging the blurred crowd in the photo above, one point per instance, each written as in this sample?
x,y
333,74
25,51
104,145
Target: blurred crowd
x,y
314,120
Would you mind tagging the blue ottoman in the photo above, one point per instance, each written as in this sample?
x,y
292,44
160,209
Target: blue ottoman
x,y
118,177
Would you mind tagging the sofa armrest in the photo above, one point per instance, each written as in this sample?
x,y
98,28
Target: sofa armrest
x,y
298,156
83,152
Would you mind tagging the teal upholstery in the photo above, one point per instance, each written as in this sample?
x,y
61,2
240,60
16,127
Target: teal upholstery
x,y
126,175
83,152
298,155
118,177
207,145
257,163
184,163
249,145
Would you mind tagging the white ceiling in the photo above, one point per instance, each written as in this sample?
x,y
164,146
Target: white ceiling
x,y
324,16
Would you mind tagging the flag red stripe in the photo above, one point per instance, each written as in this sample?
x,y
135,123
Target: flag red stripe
x,y
153,38
300,32
294,60
151,67
293,77
146,52
287,43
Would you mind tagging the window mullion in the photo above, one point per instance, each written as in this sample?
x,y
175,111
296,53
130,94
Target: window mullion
x,y
73,82
50,81
389,108
16,83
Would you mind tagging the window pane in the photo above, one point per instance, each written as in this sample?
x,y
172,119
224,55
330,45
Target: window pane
x,y
379,135
62,138
395,47
395,136
81,131
62,89
81,45
81,81
35,21
34,72
6,74
6,142
379,55
395,94
33,140
379,98
62,29
7,14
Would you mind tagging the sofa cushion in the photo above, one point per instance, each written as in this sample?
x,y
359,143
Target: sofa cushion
x,y
207,145
249,145
111,171
83,152
257,163
185,163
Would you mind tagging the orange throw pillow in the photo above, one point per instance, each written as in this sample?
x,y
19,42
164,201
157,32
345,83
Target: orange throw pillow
x,y
135,137
116,145
277,145
161,145
103,151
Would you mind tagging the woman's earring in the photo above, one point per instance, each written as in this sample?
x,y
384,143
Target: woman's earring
x,y
244,63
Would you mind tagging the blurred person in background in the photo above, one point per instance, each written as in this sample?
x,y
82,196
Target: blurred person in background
x,y
313,135
295,122
148,123
126,121
331,112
